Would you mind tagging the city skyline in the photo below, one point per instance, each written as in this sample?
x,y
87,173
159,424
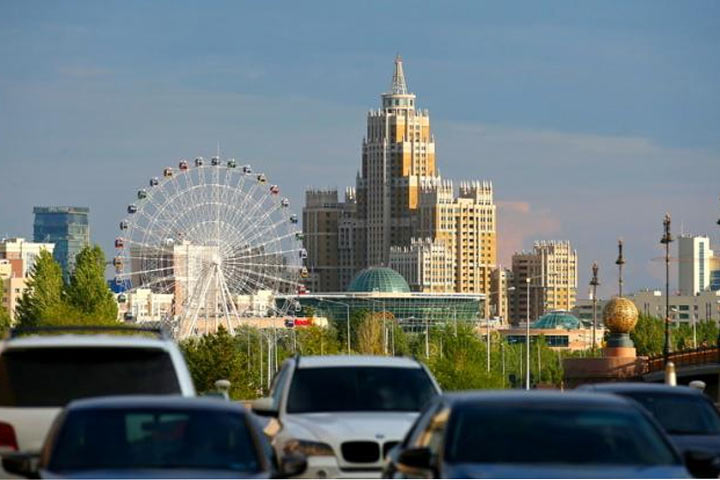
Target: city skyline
x,y
588,141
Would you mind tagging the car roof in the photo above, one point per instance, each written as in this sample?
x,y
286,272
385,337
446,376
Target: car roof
x,y
630,387
537,397
356,361
154,401
92,340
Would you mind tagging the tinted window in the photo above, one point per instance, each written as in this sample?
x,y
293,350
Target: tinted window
x,y
154,438
52,377
563,434
680,414
347,389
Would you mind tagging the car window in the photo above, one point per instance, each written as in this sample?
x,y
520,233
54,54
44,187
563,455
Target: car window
x,y
347,389
680,414
52,377
555,434
420,424
153,438
277,384
434,433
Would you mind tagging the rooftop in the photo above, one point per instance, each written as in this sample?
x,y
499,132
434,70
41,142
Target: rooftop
x,y
379,279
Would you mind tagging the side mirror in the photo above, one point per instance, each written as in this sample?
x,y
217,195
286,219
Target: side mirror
x,y
22,464
292,465
264,407
415,458
702,464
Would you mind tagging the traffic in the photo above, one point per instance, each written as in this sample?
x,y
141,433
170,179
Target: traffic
x,y
101,402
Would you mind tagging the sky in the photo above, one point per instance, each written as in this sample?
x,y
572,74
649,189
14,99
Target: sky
x,y
592,119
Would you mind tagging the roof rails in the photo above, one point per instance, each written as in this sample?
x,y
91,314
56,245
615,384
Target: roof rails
x,y
20,331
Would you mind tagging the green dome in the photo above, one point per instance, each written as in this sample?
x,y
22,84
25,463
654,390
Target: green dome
x,y
379,279
558,319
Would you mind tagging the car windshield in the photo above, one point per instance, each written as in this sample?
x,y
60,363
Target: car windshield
x,y
352,389
52,377
154,438
680,414
522,434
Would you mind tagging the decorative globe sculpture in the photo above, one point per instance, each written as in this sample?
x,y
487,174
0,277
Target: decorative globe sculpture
x,y
620,315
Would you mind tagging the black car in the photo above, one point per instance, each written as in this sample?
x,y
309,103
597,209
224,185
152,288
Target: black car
x,y
687,415
539,435
153,437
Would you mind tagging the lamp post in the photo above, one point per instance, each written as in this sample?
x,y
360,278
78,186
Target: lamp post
x,y
487,324
666,240
594,283
527,328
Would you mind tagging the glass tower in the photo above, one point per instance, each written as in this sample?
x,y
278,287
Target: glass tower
x,y
67,228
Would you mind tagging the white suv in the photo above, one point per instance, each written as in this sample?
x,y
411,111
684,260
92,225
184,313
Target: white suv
x,y
344,413
43,371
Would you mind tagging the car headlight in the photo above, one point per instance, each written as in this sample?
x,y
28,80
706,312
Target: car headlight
x,y
308,448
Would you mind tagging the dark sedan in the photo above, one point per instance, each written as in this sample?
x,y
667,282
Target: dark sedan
x,y
687,415
153,437
539,435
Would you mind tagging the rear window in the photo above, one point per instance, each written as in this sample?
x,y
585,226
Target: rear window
x,y
148,438
680,414
52,377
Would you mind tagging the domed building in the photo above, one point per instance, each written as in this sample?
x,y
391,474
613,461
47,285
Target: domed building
x,y
382,289
558,319
379,279
560,329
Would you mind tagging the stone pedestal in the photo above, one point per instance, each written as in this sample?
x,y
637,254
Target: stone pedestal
x,y
618,363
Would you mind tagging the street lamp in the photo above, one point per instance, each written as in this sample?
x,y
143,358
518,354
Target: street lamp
x,y
527,328
666,240
594,283
487,324
347,318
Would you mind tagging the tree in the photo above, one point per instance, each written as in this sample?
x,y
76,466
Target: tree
x,y
87,292
43,291
369,338
5,320
649,335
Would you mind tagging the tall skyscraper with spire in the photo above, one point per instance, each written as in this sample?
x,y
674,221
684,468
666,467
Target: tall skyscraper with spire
x,y
406,216
398,150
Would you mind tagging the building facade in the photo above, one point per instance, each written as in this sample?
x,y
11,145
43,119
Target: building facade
x,y
67,227
500,282
683,308
547,275
694,264
403,214
17,258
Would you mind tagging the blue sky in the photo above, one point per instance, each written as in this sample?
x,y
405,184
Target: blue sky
x,y
591,118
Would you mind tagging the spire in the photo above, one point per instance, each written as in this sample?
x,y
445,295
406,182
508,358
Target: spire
x,y
399,86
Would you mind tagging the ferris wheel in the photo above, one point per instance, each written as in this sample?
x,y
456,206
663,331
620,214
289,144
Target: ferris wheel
x,y
219,238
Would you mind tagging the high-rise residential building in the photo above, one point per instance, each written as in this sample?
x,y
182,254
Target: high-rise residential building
x,y
427,265
330,237
551,268
500,282
404,214
694,264
22,254
17,257
715,272
66,227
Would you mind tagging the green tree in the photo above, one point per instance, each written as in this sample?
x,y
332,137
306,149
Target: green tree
x,y
369,338
649,335
5,321
87,292
43,291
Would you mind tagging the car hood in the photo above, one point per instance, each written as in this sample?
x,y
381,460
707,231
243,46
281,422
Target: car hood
x,y
684,443
377,426
467,470
154,473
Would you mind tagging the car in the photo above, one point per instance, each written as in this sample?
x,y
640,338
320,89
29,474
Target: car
x,y
344,413
43,369
539,434
688,416
153,437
